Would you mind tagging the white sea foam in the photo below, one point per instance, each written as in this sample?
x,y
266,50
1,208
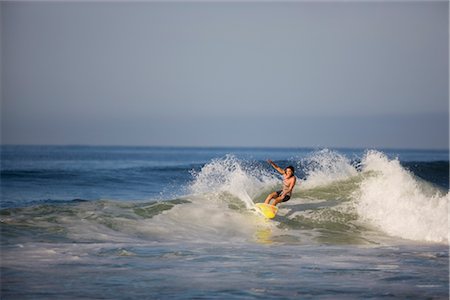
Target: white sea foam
x,y
228,175
398,203
205,221
326,166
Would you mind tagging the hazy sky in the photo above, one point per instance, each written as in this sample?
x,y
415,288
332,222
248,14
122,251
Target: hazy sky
x,y
293,74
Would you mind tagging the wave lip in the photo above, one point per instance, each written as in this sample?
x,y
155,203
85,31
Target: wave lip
x,y
400,204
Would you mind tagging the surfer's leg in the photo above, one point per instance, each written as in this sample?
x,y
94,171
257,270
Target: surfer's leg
x,y
278,200
270,197
281,199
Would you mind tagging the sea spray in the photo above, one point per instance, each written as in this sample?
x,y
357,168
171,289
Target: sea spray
x,y
394,200
229,175
324,167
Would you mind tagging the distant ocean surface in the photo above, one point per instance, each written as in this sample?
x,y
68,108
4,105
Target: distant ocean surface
x,y
80,222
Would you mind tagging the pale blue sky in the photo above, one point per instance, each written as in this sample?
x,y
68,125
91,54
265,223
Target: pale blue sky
x,y
293,74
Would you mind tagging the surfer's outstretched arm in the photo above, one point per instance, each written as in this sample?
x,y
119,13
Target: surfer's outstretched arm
x,y
274,165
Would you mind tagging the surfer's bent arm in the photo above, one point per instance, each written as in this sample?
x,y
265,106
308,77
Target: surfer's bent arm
x,y
274,165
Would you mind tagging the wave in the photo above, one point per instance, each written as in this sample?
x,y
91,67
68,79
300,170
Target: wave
x,y
400,203
338,200
375,192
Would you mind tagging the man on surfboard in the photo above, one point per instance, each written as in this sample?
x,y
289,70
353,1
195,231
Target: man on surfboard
x,y
289,181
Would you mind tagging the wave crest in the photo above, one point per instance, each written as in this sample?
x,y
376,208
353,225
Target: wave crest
x,y
399,203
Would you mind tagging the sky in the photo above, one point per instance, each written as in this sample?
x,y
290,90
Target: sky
x,y
246,74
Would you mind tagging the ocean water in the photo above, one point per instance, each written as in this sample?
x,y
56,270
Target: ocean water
x,y
178,223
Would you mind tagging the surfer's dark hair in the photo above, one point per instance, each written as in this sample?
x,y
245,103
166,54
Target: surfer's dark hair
x,y
292,169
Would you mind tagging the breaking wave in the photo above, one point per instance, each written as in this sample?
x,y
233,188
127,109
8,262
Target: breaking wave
x,y
337,200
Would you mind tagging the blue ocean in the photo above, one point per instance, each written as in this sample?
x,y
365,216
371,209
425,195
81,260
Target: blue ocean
x,y
81,222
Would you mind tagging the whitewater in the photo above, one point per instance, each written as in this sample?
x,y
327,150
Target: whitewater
x,y
118,222
377,192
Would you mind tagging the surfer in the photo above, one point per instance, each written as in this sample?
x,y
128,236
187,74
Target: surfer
x,y
289,181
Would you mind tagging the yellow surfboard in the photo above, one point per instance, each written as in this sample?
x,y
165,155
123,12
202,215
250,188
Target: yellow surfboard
x,y
269,211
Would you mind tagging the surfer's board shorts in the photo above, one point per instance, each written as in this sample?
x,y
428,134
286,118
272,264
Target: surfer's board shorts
x,y
286,197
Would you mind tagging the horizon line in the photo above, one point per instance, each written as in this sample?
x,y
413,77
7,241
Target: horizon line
x,y
230,147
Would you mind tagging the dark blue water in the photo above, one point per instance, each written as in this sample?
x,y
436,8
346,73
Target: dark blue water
x,y
82,222
34,174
